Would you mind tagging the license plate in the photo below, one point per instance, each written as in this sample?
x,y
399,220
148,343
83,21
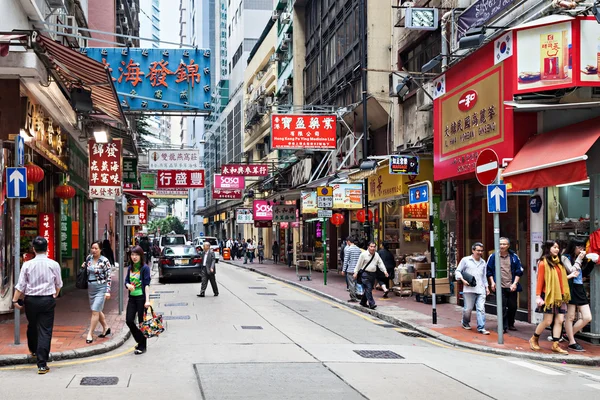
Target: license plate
x,y
184,261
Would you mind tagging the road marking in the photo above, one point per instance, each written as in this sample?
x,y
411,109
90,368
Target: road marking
x,y
588,374
534,367
593,385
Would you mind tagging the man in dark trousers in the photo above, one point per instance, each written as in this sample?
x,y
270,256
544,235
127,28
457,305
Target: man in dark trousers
x,y
390,264
208,271
40,282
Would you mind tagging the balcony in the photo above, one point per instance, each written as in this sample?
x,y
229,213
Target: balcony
x,y
254,113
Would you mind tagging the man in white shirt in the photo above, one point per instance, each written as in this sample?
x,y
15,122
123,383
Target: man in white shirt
x,y
368,262
474,266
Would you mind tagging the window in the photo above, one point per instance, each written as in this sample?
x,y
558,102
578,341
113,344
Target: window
x,y
415,57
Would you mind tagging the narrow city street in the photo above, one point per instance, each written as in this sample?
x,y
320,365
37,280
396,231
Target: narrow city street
x,y
261,338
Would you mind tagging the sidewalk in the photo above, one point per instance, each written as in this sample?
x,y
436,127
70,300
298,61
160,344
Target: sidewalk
x,y
71,323
407,312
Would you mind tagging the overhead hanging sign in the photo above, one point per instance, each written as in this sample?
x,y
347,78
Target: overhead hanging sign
x,y
174,159
158,79
173,179
262,210
245,170
244,216
284,213
130,170
226,194
106,168
229,182
404,165
148,181
142,210
479,13
310,132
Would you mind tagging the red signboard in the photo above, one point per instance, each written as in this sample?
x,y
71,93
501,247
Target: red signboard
x,y
262,210
106,169
303,131
245,170
229,182
418,211
142,210
263,224
180,179
486,167
46,229
226,194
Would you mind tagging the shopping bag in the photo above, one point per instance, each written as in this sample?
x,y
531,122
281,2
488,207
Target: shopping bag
x,y
82,278
359,289
153,323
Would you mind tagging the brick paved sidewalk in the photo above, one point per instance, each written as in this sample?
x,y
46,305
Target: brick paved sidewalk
x,y
418,314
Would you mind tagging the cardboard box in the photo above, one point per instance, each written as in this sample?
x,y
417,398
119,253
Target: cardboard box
x,y
423,286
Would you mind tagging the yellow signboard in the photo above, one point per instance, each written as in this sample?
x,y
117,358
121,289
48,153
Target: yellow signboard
x,y
383,186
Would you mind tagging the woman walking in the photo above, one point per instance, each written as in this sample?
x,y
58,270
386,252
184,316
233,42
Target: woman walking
x,y
553,294
98,268
582,267
261,251
137,282
275,249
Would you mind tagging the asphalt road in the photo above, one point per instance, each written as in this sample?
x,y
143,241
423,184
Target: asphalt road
x,y
263,339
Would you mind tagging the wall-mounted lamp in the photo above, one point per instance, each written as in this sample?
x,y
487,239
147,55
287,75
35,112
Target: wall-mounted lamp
x,y
101,136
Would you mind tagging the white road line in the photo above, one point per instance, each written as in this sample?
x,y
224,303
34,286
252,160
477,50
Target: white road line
x,y
534,367
593,385
587,374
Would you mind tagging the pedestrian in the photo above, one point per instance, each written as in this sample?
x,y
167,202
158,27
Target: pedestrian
x,y
250,250
342,247
234,249
108,252
275,249
208,271
390,264
582,267
40,282
511,272
290,254
552,295
99,280
245,250
144,243
137,282
351,255
260,248
474,266
368,264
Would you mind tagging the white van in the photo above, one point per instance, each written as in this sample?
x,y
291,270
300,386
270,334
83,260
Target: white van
x,y
171,240
214,245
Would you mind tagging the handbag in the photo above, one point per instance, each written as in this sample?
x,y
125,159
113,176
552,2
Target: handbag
x,y
469,278
152,325
359,275
82,278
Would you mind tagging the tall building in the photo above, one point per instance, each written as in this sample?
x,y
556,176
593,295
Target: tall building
x,y
150,22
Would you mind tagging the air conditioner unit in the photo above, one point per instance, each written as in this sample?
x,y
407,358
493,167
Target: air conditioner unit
x,y
287,83
275,15
284,90
260,75
287,37
274,57
284,45
286,18
424,99
56,3
250,89
395,80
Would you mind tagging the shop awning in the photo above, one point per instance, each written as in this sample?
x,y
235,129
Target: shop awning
x,y
73,69
553,158
377,115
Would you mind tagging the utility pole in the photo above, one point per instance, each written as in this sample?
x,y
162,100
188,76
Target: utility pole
x,y
362,28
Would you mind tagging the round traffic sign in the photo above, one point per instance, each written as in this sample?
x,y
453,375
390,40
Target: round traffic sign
x,y
486,168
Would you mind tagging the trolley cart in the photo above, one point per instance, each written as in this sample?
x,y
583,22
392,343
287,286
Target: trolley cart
x,y
304,274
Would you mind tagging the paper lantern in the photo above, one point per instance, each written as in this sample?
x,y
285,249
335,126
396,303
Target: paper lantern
x,y
65,192
337,219
34,175
360,215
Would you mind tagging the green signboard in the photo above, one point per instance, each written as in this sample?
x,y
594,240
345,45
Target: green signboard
x,y
130,170
148,181
66,245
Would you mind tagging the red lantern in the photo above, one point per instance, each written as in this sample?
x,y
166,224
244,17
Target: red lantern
x,y
34,175
337,219
360,215
65,192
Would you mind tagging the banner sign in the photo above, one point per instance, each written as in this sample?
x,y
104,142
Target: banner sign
x,y
158,79
226,194
346,196
262,211
244,216
174,159
105,169
303,131
142,210
148,181
245,170
404,165
130,170
173,179
66,242
479,13
229,182
284,213
46,230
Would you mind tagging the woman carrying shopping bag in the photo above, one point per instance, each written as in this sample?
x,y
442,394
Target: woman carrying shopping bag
x,y
98,270
137,282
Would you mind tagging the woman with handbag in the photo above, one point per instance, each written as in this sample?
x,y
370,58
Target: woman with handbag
x,y
98,270
137,282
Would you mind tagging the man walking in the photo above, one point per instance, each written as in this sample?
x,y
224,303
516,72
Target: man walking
x,y
390,264
40,282
351,256
208,271
474,266
511,272
368,263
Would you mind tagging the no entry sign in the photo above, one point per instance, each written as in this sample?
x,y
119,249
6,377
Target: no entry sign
x,y
486,168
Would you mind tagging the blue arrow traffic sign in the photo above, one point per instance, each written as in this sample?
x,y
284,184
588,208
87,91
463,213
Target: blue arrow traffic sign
x,y
497,199
20,151
16,185
418,194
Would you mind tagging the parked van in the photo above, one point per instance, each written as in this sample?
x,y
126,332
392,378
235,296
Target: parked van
x,y
214,244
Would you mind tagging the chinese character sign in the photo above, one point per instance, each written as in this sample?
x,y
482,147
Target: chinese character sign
x,y
245,170
148,181
46,230
174,159
105,169
173,179
284,213
303,131
130,170
158,79
404,165
226,194
229,182
142,207
262,210
244,216
66,244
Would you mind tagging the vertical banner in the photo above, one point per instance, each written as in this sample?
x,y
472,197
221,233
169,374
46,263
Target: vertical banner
x,y
47,232
106,169
66,245
142,206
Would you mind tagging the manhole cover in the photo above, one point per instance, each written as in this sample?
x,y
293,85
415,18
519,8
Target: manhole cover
x,y
267,294
413,334
256,287
251,327
99,381
379,354
167,317
175,304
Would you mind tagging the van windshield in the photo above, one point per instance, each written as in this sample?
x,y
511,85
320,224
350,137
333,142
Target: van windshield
x,y
173,240
212,241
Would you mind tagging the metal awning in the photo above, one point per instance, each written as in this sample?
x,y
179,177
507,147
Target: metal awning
x,y
530,107
377,115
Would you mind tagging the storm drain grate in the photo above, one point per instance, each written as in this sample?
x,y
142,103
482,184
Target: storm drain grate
x,y
267,294
99,381
168,317
257,287
413,334
165,291
251,327
175,304
379,354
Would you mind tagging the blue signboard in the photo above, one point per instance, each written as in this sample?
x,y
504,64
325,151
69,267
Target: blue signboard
x,y
20,150
163,80
16,185
497,200
418,194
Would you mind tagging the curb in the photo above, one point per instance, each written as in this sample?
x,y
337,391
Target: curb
x,y
570,359
117,341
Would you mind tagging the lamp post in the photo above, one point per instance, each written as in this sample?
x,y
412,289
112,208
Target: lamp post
x,y
362,29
